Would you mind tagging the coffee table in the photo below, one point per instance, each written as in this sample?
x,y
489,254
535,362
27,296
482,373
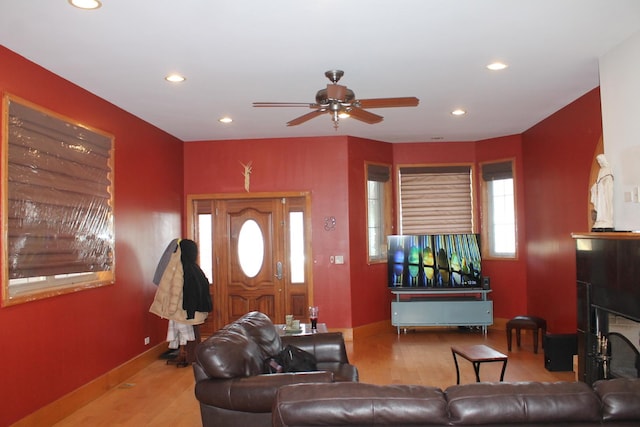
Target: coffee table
x,y
478,354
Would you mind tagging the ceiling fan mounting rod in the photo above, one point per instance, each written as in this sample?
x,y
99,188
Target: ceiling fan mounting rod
x,y
334,75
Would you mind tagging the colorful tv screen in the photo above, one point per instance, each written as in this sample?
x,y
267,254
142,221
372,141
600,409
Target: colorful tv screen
x,y
434,261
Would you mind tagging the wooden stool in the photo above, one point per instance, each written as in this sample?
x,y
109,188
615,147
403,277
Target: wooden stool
x,y
531,323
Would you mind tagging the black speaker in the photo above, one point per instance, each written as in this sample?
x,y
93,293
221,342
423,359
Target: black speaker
x,y
559,350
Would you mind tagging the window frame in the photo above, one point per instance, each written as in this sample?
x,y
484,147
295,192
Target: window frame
x,y
90,229
385,220
487,224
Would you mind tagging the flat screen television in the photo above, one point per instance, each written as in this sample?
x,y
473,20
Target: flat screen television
x,y
438,261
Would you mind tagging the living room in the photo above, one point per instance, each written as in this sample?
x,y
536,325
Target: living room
x,y
49,341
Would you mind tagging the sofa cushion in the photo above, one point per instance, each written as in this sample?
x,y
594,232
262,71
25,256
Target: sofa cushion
x,y
522,402
358,404
620,399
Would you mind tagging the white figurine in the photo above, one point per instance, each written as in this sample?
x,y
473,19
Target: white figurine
x,y
602,196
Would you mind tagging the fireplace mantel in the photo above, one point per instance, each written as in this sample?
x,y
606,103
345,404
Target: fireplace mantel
x,y
618,235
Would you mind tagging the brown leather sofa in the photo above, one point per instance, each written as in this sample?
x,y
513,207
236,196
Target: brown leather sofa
x,y
614,402
231,385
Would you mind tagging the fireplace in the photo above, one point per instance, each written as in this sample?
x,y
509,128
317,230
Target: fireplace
x,y
624,347
608,297
615,351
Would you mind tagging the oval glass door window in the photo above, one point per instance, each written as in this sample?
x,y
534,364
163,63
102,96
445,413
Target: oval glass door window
x,y
250,248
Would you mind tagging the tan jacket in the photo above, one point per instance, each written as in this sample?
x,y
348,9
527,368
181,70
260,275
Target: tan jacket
x,y
167,302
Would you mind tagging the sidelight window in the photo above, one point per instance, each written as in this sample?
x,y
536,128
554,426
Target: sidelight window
x,y
499,223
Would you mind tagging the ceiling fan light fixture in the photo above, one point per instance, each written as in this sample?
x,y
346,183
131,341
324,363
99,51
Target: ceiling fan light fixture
x,y
86,4
497,66
344,115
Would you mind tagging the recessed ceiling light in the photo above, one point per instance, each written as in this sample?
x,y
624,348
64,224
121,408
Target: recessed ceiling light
x,y
86,4
497,66
459,112
225,119
175,78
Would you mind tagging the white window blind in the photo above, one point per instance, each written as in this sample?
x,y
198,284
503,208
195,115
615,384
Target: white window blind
x,y
436,200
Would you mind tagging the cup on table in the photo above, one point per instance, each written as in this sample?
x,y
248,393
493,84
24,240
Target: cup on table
x,y
313,317
288,320
295,325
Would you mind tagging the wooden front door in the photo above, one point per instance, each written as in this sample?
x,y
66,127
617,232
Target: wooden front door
x,y
255,260
251,258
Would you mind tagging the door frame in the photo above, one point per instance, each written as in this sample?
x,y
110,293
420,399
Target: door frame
x,y
191,233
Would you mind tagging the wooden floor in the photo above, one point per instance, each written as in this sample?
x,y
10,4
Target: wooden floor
x,y
162,395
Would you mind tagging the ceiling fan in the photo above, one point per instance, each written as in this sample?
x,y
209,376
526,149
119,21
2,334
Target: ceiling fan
x,y
341,102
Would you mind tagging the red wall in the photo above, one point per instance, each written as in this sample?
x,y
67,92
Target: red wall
x,y
51,347
434,153
318,165
508,276
368,281
558,155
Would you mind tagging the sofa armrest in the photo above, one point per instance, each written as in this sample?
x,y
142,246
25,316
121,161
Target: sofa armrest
x,y
330,353
252,394
326,347
620,399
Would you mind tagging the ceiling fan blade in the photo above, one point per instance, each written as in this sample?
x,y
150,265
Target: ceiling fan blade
x,y
364,116
409,101
305,117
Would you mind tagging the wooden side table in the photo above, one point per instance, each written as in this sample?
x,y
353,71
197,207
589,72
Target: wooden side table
x,y
478,354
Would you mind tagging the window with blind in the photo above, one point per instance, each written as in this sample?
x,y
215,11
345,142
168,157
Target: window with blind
x,y
436,200
378,211
499,219
58,204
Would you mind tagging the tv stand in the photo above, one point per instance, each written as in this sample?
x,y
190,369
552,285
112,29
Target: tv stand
x,y
441,307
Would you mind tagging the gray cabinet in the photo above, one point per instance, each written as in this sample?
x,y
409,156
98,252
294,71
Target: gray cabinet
x,y
460,307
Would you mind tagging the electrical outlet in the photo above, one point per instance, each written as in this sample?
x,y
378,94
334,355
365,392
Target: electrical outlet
x,y
147,340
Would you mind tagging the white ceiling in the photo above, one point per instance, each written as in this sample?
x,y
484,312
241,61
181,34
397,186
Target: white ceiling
x,y
239,51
